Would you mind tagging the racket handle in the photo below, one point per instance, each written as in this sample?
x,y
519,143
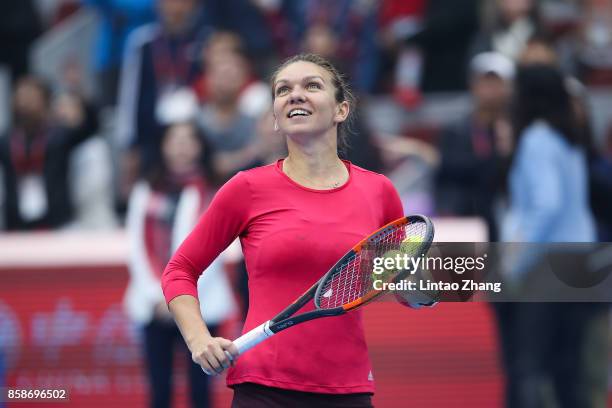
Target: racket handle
x,y
252,338
249,340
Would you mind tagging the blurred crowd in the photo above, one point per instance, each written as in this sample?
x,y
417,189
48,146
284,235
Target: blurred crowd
x,y
182,103
206,62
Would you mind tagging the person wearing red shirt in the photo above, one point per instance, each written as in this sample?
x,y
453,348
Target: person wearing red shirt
x,y
295,218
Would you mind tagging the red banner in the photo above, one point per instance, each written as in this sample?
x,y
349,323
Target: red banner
x,y
65,328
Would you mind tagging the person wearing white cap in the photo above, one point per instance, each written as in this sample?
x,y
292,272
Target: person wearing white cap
x,y
476,149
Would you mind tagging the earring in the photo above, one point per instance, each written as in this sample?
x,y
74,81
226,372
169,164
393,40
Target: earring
x,y
275,126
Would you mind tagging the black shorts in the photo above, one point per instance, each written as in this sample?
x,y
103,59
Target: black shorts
x,y
250,395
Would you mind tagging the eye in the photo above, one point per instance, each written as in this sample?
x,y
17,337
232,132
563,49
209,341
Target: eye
x,y
282,90
313,85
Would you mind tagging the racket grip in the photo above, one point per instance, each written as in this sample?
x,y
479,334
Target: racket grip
x,y
253,337
248,340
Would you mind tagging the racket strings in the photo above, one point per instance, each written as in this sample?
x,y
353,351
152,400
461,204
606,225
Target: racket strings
x,y
354,278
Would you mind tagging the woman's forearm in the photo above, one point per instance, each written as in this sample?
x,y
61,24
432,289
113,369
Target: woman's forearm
x,y
186,312
213,354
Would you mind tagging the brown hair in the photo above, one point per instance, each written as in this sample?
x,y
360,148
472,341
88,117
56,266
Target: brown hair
x,y
343,92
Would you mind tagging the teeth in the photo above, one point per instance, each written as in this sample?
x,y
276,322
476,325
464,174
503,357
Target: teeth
x,y
300,112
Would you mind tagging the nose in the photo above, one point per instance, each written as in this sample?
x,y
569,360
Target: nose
x,y
296,95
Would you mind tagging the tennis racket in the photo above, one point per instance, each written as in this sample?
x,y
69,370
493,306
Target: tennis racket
x,y
348,285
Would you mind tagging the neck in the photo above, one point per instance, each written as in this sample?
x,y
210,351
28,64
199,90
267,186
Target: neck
x,y
181,171
314,162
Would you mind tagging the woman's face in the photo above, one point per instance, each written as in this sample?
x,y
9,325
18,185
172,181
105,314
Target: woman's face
x,y
304,100
181,148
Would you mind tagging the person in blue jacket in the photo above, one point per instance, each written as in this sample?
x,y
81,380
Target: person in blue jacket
x,y
553,353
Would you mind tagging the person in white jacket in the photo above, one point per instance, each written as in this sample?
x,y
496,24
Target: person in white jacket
x,y
162,210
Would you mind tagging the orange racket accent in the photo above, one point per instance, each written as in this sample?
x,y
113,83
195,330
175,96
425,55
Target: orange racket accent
x,y
361,301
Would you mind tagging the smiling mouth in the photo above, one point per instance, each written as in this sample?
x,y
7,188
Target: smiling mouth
x,y
298,112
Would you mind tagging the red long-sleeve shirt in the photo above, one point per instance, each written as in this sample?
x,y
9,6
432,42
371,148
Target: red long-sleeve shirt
x,y
290,235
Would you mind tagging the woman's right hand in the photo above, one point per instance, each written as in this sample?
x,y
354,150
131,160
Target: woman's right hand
x,y
213,354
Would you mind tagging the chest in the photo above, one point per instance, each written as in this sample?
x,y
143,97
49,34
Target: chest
x,y
305,234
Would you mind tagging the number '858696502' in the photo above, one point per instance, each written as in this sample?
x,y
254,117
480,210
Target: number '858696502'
x,y
33,394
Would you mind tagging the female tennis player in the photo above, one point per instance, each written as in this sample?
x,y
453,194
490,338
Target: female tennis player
x,y
295,218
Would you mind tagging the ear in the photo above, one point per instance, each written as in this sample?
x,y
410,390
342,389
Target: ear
x,y
342,111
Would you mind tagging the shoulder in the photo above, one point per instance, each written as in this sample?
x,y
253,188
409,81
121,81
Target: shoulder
x,y
258,173
370,178
380,192
542,137
246,180
363,172
541,132
375,184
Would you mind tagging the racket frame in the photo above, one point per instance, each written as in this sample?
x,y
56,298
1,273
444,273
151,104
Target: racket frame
x,y
373,294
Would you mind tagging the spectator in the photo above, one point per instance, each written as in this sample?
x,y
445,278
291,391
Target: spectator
x,y
254,95
545,344
541,51
507,27
162,60
162,210
476,149
228,129
118,18
34,156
